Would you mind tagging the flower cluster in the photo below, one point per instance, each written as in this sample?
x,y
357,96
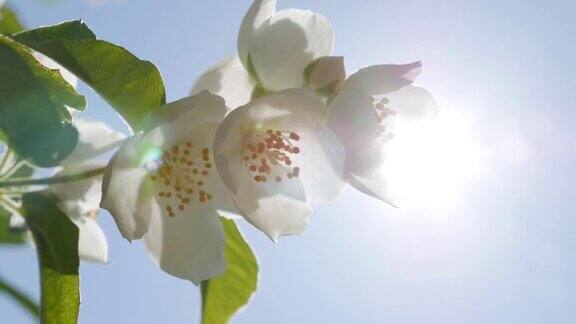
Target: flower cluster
x,y
265,135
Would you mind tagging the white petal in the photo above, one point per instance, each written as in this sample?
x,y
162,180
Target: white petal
x,y
127,189
413,103
377,187
95,139
200,108
351,116
325,73
228,79
260,11
322,162
92,244
2,3
78,198
382,79
189,246
277,52
277,209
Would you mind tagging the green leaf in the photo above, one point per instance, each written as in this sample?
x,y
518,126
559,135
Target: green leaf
x,y
134,88
33,102
21,298
56,240
222,297
9,23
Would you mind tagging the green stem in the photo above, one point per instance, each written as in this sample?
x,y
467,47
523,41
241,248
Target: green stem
x,y
52,180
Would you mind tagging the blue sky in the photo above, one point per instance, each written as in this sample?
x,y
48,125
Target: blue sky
x,y
489,236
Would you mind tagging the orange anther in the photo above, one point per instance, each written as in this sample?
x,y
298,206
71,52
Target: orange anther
x,y
294,136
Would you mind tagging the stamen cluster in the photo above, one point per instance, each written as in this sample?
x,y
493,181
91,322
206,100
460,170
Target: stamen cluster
x,y
270,155
181,177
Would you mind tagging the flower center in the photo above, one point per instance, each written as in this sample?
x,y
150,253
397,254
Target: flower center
x,y
181,177
269,155
381,112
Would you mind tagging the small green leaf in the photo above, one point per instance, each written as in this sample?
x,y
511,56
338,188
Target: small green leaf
x,y
222,297
21,298
134,88
33,102
56,240
9,23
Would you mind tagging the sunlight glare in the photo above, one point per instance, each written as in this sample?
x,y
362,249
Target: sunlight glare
x,y
431,161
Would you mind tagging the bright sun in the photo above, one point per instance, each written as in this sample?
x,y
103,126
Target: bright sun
x,y
430,162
